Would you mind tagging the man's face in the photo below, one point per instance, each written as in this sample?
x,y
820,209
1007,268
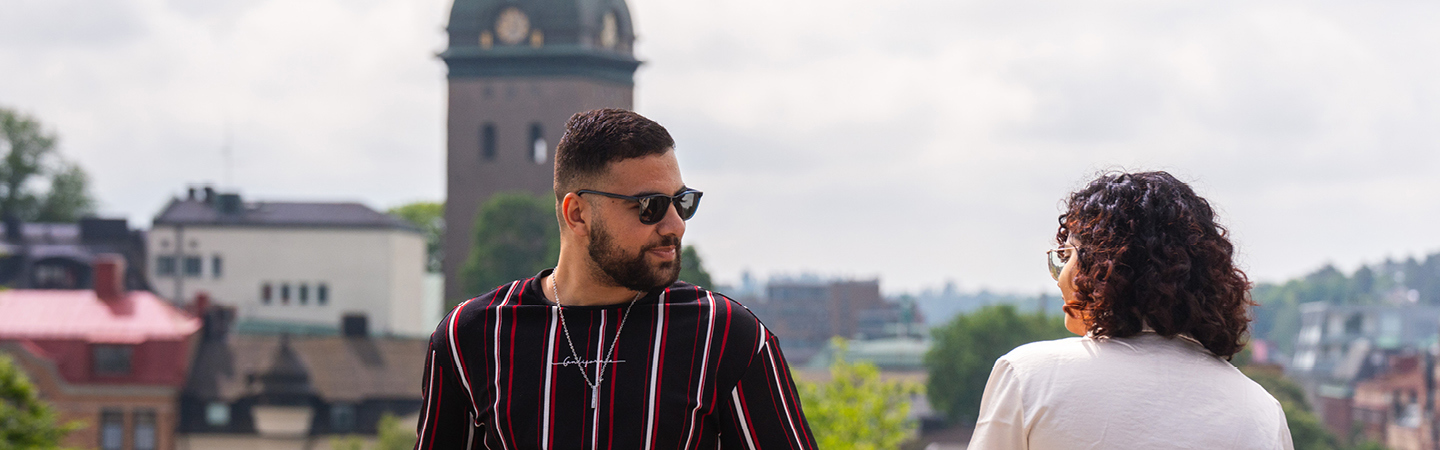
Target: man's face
x,y
624,251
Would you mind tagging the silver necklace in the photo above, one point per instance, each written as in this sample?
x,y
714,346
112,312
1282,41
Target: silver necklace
x,y
600,371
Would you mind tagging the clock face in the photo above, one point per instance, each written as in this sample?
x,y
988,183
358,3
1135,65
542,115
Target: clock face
x,y
609,31
512,26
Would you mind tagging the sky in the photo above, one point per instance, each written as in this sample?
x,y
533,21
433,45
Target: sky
x,y
914,141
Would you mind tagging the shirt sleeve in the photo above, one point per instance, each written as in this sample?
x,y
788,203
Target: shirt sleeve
x,y
763,410
1001,422
447,414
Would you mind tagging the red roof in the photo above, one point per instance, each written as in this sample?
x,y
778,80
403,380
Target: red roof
x,y
78,314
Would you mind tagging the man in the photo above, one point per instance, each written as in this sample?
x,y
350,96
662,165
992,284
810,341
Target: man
x,y
608,350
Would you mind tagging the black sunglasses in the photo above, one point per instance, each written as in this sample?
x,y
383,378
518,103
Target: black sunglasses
x,y
653,207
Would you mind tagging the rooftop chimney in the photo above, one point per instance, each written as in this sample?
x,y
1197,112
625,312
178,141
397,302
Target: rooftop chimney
x,y
209,195
355,325
202,304
109,276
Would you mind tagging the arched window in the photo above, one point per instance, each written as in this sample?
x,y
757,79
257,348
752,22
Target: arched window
x,y
487,142
538,148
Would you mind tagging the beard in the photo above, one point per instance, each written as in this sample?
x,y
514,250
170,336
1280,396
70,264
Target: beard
x,y
631,271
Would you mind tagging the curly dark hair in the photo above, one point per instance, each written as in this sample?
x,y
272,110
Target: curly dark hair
x,y
1151,253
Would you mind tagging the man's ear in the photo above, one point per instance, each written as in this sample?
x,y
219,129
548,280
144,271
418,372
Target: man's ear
x,y
575,214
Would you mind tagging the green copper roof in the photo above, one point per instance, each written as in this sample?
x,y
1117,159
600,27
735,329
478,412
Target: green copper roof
x,y
563,37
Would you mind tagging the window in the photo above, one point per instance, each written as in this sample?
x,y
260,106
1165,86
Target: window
x,y
538,148
143,433
193,266
112,429
322,294
165,266
342,417
217,414
112,360
487,142
304,293
285,293
217,266
265,293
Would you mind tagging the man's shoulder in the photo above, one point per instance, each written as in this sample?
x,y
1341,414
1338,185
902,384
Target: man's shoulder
x,y
467,311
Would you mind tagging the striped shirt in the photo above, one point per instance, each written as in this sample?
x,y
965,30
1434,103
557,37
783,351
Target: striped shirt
x,y
692,369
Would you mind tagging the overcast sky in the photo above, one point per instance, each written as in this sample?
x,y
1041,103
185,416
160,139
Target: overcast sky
x,y
914,141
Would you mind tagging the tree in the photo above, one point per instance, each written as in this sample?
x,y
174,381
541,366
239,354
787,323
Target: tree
x,y
965,351
856,409
692,269
28,156
1306,431
430,218
25,421
515,236
393,435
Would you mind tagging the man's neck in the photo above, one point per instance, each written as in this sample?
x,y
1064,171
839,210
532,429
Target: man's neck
x,y
579,287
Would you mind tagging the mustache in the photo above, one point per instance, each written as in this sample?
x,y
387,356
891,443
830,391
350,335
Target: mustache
x,y
664,241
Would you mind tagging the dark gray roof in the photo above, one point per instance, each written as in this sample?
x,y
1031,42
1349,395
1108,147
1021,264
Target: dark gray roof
x,y
279,214
337,368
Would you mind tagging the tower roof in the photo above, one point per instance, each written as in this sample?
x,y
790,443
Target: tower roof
x,y
591,38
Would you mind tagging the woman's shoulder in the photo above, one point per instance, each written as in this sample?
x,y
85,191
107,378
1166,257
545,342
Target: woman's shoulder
x,y
1047,352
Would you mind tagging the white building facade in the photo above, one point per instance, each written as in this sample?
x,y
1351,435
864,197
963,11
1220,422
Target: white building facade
x,y
291,267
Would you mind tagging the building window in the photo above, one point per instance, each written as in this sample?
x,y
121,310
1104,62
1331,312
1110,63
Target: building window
x,y
217,414
285,293
112,429
217,266
112,360
304,293
165,266
539,150
487,142
322,294
265,293
342,417
193,266
143,433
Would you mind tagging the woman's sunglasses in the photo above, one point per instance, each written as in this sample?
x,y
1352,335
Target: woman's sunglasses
x,y
653,207
1057,259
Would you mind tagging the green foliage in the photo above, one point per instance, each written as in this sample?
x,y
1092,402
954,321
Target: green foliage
x,y
430,218
393,435
25,421
1277,318
966,348
692,269
28,156
516,235
347,442
1306,431
856,409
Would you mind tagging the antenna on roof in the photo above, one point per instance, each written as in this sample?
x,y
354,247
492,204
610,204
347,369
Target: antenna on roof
x,y
227,155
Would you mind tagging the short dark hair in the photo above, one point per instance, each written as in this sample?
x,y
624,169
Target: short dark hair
x,y
1151,253
594,139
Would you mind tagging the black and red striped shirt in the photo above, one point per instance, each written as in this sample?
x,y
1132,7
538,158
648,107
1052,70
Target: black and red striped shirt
x,y
693,369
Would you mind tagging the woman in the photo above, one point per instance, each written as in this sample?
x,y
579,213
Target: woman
x,y
1149,282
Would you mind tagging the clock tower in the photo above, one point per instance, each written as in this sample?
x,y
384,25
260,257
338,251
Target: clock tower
x,y
518,69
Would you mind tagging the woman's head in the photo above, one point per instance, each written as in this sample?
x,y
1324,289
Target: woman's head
x,y
1149,252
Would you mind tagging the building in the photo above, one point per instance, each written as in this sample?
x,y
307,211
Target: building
x,y
1341,346
283,392
59,255
1396,407
518,69
805,312
291,266
110,357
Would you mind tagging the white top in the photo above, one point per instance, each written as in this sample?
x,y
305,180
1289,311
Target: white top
x,y
1140,392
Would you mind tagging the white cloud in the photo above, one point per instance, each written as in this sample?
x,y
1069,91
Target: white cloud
x,y
912,140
